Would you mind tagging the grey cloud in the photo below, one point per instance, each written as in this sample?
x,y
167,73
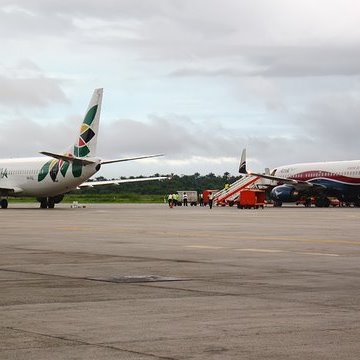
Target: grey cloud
x,y
326,130
27,24
108,9
309,61
172,135
283,62
192,32
179,137
24,137
161,136
183,140
332,120
38,91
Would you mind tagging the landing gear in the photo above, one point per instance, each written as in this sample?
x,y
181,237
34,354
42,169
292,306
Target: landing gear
x,y
4,203
277,203
49,202
322,202
43,203
307,202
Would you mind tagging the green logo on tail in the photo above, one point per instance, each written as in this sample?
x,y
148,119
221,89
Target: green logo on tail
x,y
86,134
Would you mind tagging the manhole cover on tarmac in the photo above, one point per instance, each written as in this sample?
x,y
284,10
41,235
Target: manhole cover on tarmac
x,y
136,279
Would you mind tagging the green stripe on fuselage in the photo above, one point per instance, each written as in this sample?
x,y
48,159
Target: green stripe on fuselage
x,y
44,171
76,169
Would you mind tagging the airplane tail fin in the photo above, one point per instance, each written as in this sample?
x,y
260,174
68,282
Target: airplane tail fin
x,y
242,166
85,145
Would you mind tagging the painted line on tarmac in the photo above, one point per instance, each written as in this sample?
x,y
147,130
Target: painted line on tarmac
x,y
205,247
271,251
202,235
289,252
299,239
316,254
263,250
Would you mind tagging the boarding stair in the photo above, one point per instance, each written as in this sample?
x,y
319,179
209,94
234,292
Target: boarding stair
x,y
231,194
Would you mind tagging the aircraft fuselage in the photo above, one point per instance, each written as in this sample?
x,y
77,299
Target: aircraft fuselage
x,y
338,178
42,177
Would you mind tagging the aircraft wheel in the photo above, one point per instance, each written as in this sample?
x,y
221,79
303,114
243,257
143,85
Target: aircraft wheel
x,y
322,202
51,203
4,203
43,203
58,198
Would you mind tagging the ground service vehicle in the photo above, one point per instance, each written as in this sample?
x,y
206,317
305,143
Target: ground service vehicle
x,y
206,195
251,198
192,197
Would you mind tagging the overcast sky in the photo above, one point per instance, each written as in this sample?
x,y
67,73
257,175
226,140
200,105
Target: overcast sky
x,y
197,80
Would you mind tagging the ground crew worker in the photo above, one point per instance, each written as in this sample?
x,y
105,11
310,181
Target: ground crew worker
x,y
175,199
185,199
211,198
201,199
170,200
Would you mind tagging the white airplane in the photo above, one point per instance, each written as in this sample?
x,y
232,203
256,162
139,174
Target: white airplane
x,y
321,180
49,179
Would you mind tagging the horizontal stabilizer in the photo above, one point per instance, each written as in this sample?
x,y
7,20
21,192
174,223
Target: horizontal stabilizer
x,y
130,159
70,158
120,181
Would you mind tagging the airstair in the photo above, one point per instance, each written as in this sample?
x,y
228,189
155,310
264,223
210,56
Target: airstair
x,y
230,195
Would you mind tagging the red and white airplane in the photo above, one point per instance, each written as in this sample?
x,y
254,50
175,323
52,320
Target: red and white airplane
x,y
321,180
49,178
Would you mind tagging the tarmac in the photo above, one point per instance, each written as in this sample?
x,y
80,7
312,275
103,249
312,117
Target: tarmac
x,y
148,282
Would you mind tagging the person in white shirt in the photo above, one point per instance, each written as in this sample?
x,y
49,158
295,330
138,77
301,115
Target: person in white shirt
x,y
185,199
170,200
211,198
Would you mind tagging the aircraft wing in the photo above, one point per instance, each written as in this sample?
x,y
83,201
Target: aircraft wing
x,y
297,184
130,159
277,178
120,181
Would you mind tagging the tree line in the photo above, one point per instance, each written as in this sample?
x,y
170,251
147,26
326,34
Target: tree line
x,y
175,183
